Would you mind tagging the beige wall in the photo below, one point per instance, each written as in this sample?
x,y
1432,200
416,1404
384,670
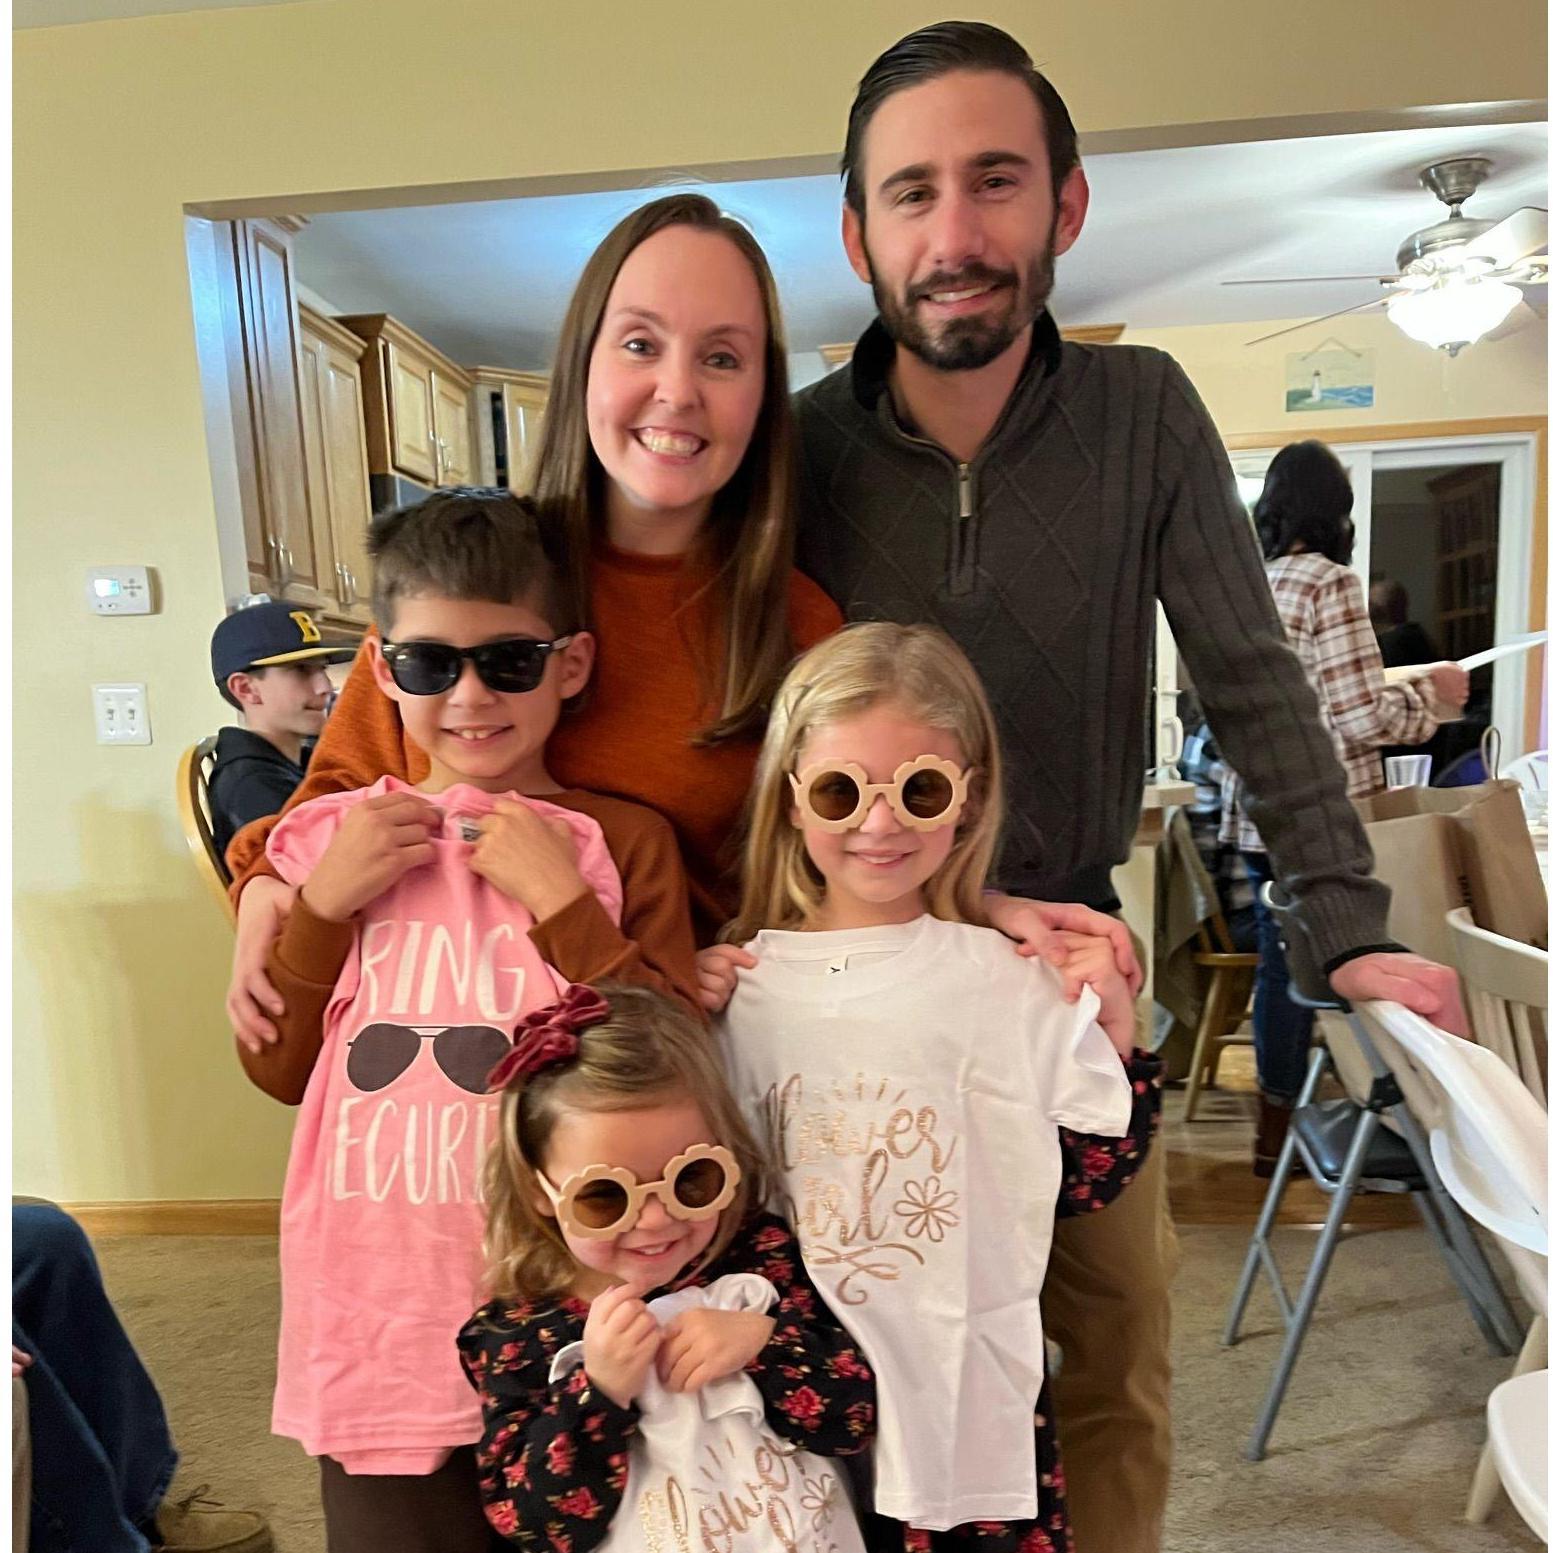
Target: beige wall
x,y
1243,385
125,1083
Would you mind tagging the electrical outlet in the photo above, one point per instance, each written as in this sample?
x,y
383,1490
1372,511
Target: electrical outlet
x,y
120,714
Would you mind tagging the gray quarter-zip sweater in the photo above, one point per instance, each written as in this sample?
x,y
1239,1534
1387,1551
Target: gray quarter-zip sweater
x,y
1103,487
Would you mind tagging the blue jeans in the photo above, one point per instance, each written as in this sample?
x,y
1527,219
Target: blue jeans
x,y
1281,1027
102,1456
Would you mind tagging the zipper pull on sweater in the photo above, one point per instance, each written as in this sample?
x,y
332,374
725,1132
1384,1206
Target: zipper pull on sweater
x,y
966,507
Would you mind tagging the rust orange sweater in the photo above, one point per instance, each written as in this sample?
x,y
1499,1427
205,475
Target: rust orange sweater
x,y
629,737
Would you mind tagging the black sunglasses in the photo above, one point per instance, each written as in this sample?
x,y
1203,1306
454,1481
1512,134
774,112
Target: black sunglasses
x,y
512,665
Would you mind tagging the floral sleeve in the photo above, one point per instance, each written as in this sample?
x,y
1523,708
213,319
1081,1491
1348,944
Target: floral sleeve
x,y
818,1387
553,1455
1095,1169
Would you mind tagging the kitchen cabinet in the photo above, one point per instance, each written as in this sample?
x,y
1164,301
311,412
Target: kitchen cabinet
x,y
259,312
509,411
416,404
335,444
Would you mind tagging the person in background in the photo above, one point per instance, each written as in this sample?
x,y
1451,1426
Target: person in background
x,y
1203,766
1304,524
102,1456
268,661
1403,642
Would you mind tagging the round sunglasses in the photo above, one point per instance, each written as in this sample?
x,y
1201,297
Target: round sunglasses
x,y
510,666
924,793
606,1200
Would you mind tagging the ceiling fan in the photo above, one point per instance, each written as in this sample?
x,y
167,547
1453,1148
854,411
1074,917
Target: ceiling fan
x,y
1457,279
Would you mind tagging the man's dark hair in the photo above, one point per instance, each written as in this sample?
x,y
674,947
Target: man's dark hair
x,y
472,544
1305,501
935,51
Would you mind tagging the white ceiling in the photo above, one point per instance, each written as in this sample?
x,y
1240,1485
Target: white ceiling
x,y
488,282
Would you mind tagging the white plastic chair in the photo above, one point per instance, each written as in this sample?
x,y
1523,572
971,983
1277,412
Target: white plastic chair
x,y
1518,1441
1531,771
1488,1138
1506,986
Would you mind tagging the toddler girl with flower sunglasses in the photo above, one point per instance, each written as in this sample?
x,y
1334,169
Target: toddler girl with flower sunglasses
x,y
655,1368
931,1099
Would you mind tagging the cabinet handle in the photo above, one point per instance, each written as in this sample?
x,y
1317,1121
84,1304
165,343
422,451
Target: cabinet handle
x,y
350,584
288,571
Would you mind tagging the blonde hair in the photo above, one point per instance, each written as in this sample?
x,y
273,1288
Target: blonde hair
x,y
748,536
647,1051
919,670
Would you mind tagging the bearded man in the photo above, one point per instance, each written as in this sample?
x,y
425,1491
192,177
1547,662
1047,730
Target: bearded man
x,y
1034,498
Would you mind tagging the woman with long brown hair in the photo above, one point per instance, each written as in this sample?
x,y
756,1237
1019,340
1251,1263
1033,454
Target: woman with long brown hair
x,y
666,463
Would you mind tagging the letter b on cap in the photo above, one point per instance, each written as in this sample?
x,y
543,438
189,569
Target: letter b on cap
x,y
306,626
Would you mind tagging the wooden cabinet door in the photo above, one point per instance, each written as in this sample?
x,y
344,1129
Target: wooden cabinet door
x,y
411,434
524,410
450,421
315,450
350,498
270,342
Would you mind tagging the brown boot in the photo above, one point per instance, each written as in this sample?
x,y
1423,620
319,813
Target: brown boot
x,y
1272,1126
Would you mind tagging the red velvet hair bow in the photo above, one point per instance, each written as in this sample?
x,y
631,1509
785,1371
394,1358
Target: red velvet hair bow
x,y
548,1036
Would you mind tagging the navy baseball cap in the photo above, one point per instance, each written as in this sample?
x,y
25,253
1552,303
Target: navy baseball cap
x,y
266,634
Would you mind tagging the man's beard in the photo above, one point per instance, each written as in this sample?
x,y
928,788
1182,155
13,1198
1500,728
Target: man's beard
x,y
965,344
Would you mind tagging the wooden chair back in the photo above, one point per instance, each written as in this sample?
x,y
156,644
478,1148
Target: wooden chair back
x,y
194,815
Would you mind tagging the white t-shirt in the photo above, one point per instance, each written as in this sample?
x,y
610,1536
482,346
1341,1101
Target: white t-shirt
x,y
708,1471
909,1081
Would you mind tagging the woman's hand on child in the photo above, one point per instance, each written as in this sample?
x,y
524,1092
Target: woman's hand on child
x,y
530,857
1037,927
1090,962
250,997
378,842
704,1345
620,1339
717,974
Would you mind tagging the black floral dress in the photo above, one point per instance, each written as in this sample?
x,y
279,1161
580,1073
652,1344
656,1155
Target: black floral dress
x,y
554,1455
1094,1172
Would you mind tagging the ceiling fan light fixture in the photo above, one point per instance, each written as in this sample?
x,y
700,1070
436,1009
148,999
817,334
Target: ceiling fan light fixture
x,y
1455,312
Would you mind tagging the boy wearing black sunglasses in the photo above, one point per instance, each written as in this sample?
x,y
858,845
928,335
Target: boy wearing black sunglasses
x,y
428,921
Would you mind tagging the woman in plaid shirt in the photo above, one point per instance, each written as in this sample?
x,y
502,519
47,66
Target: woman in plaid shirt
x,y
1302,518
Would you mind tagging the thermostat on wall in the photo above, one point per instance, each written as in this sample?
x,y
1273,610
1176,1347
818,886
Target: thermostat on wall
x,y
119,590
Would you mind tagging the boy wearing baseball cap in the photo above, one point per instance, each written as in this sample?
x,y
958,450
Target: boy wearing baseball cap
x,y
268,661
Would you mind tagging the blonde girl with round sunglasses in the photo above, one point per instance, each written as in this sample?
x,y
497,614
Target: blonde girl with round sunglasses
x,y
653,1354
931,1099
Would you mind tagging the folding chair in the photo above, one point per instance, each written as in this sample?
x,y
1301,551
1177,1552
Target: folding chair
x,y
1346,1150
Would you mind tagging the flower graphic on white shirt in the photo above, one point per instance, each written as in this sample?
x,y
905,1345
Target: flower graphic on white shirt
x,y
927,1209
820,1499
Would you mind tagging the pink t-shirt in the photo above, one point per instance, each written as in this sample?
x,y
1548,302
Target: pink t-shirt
x,y
382,1214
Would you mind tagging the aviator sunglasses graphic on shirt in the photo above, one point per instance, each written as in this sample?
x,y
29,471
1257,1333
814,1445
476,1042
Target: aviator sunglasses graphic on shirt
x,y
466,1054
510,666
603,1201
924,793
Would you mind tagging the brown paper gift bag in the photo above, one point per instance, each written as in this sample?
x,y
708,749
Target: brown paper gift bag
x,y
1442,847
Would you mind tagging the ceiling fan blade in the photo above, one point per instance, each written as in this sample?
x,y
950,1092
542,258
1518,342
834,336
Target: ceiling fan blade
x,y
1357,307
1306,280
1517,237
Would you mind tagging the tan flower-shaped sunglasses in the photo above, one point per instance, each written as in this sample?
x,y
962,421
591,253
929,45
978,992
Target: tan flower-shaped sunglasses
x,y
603,1201
924,793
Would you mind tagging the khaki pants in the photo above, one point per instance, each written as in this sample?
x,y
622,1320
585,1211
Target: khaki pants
x,y
1107,1302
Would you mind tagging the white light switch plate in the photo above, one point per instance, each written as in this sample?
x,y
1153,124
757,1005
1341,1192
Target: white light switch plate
x,y
120,714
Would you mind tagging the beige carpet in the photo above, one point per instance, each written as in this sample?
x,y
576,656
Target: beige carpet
x,y
1373,1452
